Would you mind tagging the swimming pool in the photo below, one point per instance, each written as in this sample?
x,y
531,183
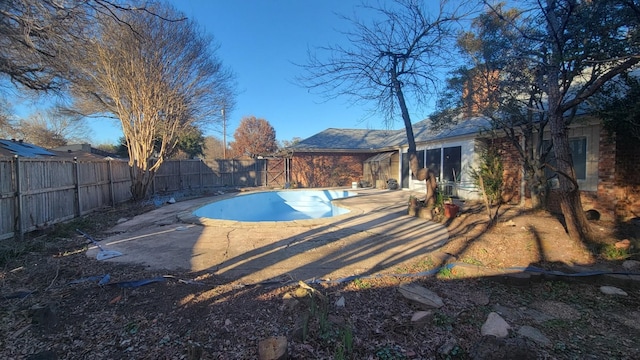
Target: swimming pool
x,y
276,206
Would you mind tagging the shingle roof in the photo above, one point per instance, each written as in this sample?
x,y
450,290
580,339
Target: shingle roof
x,y
333,139
10,148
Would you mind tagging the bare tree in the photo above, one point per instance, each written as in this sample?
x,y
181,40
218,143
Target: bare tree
x,y
5,119
157,77
254,137
39,36
395,58
50,129
213,148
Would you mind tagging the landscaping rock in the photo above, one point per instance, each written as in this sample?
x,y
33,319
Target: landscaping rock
x,y
479,298
421,295
538,316
495,326
340,302
273,348
630,319
631,264
612,290
421,318
492,348
507,312
557,310
447,347
534,334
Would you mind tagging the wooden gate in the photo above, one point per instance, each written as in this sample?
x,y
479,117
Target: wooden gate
x,y
278,172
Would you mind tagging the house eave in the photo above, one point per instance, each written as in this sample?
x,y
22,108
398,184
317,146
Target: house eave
x,y
352,151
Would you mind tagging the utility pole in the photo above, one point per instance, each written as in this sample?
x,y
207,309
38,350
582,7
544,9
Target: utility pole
x,y
224,134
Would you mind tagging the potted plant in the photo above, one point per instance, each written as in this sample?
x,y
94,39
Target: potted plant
x,y
450,209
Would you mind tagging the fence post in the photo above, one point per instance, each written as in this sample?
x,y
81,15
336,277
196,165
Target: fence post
x,y
19,205
76,174
200,175
112,195
180,183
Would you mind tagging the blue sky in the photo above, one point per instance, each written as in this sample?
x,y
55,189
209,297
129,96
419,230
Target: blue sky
x,y
261,41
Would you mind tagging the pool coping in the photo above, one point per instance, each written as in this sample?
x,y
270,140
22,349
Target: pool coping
x,y
187,216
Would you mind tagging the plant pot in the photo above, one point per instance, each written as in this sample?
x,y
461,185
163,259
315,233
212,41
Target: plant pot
x,y
451,210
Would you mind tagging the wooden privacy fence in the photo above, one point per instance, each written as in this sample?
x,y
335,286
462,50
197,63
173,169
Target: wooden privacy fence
x,y
38,192
178,175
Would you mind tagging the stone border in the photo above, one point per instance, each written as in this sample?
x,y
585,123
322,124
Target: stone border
x,y
188,217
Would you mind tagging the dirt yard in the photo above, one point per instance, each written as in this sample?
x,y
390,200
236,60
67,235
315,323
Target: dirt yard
x,y
53,307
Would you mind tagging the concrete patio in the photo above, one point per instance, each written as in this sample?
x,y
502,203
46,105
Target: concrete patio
x,y
375,236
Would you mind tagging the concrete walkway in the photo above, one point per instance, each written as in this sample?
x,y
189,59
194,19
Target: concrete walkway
x,y
375,236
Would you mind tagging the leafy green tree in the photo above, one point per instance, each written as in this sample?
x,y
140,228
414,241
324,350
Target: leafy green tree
x,y
576,48
488,177
618,104
505,91
190,143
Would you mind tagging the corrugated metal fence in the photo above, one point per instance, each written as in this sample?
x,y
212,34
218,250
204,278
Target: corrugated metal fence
x,y
40,192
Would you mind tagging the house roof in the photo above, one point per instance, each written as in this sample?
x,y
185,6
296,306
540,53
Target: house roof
x,y
424,132
356,140
10,148
360,140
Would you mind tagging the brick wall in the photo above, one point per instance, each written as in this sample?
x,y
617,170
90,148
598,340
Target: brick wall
x,y
512,169
627,178
618,193
604,199
326,169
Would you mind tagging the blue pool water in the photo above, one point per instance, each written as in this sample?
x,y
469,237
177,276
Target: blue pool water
x,y
276,206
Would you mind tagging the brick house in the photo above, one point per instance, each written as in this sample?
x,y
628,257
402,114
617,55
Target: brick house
x,y
337,157
606,166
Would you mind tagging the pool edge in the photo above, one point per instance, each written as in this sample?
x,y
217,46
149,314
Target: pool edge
x,y
188,217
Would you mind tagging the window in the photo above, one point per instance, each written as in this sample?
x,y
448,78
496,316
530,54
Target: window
x,y
579,155
445,162
452,165
578,148
434,161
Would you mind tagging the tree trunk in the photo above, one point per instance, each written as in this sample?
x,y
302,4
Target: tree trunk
x,y
575,219
140,181
576,222
414,164
536,181
570,203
